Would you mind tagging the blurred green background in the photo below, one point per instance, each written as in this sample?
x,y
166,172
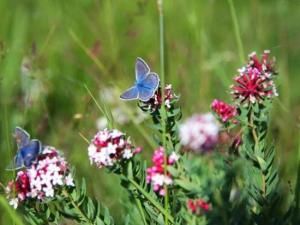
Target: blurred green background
x,y
50,49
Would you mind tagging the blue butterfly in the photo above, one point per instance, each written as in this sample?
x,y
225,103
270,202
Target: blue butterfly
x,y
146,83
28,150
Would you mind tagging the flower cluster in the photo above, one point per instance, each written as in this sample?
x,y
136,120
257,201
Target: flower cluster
x,y
46,176
255,81
198,206
109,147
199,133
155,102
156,174
225,111
265,65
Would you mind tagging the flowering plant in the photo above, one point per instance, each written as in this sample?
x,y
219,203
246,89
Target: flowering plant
x,y
181,186
42,180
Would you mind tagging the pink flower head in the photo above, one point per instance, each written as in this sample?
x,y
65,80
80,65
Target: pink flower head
x,y
199,133
265,65
109,147
156,175
198,206
252,86
42,179
255,81
225,111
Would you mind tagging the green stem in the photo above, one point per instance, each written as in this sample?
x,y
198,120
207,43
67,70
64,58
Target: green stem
x,y
84,138
163,108
150,199
237,31
254,134
98,63
102,109
256,142
79,211
141,211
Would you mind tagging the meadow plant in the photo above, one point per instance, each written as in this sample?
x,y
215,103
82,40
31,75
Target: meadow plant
x,y
42,180
237,183
199,133
156,175
109,148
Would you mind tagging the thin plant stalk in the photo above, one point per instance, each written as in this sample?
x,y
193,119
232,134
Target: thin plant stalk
x,y
151,200
87,220
237,31
163,109
102,109
98,63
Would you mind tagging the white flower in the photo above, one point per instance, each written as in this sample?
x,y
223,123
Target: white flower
x,y
53,168
174,157
121,143
46,179
158,179
111,148
34,192
103,135
115,133
167,180
69,180
57,179
14,202
36,183
49,191
127,154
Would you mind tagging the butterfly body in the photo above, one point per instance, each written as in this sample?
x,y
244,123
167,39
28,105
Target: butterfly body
x,y
145,85
28,150
28,154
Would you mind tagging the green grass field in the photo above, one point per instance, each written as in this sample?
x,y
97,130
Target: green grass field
x,y
50,49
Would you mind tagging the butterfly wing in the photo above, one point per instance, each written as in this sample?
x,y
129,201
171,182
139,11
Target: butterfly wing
x,y
141,69
130,94
22,137
17,163
30,152
148,86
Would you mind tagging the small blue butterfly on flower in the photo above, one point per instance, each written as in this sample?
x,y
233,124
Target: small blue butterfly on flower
x,y
28,150
145,85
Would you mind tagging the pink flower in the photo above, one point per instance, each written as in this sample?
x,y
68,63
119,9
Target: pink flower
x,y
109,147
199,133
198,206
252,86
41,180
255,81
225,111
156,175
265,65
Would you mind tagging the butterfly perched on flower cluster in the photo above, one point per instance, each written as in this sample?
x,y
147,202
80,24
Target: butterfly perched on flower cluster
x,y
145,85
28,150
